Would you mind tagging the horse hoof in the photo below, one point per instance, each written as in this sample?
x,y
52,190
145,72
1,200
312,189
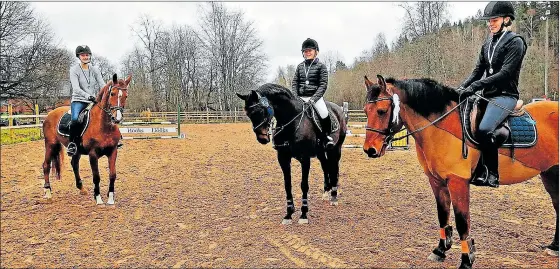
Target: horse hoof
x,y
334,201
111,200
552,252
326,195
435,258
286,221
98,200
303,221
48,195
83,191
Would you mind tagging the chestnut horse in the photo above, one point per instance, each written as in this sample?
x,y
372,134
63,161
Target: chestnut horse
x,y
429,111
99,139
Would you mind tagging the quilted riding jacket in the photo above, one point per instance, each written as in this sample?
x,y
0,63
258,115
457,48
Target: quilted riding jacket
x,y
315,72
502,74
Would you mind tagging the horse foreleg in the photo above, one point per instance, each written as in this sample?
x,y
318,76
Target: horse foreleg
x,y
94,163
326,185
112,177
305,165
443,201
460,197
285,159
76,169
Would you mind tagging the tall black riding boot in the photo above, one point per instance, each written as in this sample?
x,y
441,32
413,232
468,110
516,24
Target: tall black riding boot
x,y
490,176
326,125
72,148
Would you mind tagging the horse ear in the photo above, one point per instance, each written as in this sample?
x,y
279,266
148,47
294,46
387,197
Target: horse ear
x,y
242,96
128,79
368,82
381,82
114,79
254,95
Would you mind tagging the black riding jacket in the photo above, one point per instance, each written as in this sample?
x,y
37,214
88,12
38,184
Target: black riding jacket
x,y
506,65
317,76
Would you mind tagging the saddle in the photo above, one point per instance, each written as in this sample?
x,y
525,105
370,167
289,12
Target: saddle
x,y
315,118
83,120
516,131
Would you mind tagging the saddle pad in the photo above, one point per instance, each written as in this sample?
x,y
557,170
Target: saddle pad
x,y
523,131
335,125
64,123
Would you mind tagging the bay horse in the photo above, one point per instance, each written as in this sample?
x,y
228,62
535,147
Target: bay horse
x,y
429,111
297,137
99,139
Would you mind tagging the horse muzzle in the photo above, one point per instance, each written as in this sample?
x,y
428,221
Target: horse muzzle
x,y
263,138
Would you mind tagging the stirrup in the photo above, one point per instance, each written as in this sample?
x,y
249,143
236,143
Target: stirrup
x,y
120,144
330,141
72,149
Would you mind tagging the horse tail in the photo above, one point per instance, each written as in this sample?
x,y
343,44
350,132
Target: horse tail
x,y
58,160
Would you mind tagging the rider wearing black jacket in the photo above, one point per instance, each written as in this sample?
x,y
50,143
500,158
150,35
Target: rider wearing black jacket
x,y
500,60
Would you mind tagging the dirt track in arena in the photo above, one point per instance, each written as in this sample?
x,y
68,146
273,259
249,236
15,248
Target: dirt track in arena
x,y
216,199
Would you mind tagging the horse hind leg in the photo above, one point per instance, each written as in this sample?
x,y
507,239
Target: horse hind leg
x,y
550,181
326,184
46,171
334,169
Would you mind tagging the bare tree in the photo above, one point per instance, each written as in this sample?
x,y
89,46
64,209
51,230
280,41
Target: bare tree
x,y
424,18
105,67
28,54
235,50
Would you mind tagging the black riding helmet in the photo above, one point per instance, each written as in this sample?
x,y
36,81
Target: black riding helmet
x,y
309,44
82,49
496,9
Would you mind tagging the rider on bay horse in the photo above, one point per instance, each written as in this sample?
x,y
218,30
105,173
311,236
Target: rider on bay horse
x,y
86,82
500,60
310,84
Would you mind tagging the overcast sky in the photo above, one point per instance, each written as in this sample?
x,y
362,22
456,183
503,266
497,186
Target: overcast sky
x,y
346,27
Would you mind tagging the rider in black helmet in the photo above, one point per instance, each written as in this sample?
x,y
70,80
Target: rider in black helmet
x,y
500,61
310,83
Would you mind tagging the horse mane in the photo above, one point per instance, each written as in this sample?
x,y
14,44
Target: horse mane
x,y
426,96
102,91
271,89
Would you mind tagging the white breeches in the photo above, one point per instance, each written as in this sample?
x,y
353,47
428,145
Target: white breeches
x,y
320,106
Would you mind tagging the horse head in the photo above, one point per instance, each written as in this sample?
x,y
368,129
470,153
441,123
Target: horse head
x,y
382,117
113,97
260,112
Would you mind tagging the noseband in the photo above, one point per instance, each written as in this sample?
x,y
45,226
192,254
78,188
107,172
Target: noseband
x,y
118,107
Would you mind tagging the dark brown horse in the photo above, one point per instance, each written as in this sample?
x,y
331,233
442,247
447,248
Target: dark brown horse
x,y
296,137
99,139
429,111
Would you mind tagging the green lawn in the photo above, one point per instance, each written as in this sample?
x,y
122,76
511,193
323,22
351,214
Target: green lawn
x,y
19,135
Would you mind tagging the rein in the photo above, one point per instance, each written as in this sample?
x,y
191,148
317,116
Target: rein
x,y
389,131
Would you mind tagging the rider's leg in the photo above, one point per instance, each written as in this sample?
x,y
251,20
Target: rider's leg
x,y
493,116
321,108
76,108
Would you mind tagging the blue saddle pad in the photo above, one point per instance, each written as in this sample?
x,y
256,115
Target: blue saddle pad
x,y
523,131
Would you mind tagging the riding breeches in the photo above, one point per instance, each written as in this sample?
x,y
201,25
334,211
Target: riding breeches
x,y
493,116
320,106
76,107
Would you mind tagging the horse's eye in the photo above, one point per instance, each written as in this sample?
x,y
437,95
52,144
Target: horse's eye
x,y
112,94
381,112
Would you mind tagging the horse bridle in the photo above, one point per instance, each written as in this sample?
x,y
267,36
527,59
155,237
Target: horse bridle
x,y
263,101
113,108
389,132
